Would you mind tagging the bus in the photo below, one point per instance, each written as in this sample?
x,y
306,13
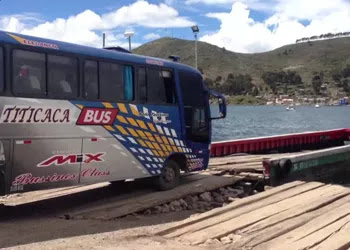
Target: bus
x,y
74,115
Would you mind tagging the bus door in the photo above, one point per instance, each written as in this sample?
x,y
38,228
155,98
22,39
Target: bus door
x,y
196,113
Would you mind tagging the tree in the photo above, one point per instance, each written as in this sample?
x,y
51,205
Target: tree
x,y
237,85
255,91
316,84
209,83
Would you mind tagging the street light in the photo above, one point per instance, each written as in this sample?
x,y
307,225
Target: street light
x,y
195,30
129,34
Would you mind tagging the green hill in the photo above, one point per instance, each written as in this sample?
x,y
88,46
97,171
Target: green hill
x,y
321,65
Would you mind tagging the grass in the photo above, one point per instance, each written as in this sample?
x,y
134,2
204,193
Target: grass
x,y
304,58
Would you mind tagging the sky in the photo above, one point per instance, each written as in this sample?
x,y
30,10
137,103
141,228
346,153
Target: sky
x,y
247,26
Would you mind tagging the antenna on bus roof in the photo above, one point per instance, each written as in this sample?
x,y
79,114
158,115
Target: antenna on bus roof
x,y
174,58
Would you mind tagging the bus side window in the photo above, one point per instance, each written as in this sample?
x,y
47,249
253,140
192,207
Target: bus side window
x,y
128,83
142,85
160,87
63,76
28,73
91,80
111,82
2,75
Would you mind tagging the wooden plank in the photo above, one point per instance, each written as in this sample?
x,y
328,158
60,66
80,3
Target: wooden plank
x,y
300,208
338,241
222,229
257,167
36,196
239,208
124,197
251,176
144,202
319,236
309,228
232,206
276,230
248,158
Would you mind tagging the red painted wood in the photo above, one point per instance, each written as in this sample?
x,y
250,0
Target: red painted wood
x,y
300,140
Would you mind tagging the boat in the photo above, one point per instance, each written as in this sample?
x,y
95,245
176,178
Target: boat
x,y
290,108
317,106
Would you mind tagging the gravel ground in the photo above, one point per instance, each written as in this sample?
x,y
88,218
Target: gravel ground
x,y
50,232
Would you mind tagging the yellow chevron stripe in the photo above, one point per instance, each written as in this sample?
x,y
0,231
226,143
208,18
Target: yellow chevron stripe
x,y
155,152
151,127
149,145
142,124
134,110
122,108
149,136
107,105
132,122
156,146
159,140
172,142
165,140
141,134
122,130
142,143
121,119
110,128
133,132
17,38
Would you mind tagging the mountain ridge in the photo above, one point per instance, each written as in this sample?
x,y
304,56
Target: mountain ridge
x,y
315,62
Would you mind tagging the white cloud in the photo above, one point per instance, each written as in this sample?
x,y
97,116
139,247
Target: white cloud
x,y
253,4
145,14
151,36
239,32
87,27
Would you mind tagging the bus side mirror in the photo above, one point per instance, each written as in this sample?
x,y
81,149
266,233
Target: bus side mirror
x,y
222,104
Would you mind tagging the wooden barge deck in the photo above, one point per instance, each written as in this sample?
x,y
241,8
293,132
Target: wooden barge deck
x,y
297,214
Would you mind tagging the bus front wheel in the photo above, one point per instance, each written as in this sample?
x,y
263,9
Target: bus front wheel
x,y
170,176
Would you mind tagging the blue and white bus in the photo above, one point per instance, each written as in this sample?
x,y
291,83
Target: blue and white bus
x,y
74,115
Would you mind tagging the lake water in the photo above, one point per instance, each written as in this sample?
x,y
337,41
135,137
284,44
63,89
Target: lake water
x,y
255,121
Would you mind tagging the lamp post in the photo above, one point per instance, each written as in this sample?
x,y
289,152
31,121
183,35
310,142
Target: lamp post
x,y
195,30
104,40
129,34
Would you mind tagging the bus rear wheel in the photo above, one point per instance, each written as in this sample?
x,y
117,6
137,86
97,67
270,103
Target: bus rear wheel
x,y
170,176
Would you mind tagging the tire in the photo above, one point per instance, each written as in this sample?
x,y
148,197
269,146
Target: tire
x,y
170,176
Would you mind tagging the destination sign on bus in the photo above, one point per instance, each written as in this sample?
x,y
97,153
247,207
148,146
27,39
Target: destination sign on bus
x,y
35,114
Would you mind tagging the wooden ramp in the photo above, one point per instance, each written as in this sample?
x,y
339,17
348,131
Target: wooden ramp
x,y
116,207
297,215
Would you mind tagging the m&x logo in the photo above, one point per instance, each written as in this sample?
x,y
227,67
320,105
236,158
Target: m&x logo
x,y
60,160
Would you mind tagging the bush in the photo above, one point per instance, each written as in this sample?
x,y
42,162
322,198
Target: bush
x,y
237,85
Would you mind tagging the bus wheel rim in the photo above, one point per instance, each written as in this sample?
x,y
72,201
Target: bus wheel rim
x,y
169,174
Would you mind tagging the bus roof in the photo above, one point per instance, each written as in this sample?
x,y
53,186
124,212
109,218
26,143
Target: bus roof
x,y
48,44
